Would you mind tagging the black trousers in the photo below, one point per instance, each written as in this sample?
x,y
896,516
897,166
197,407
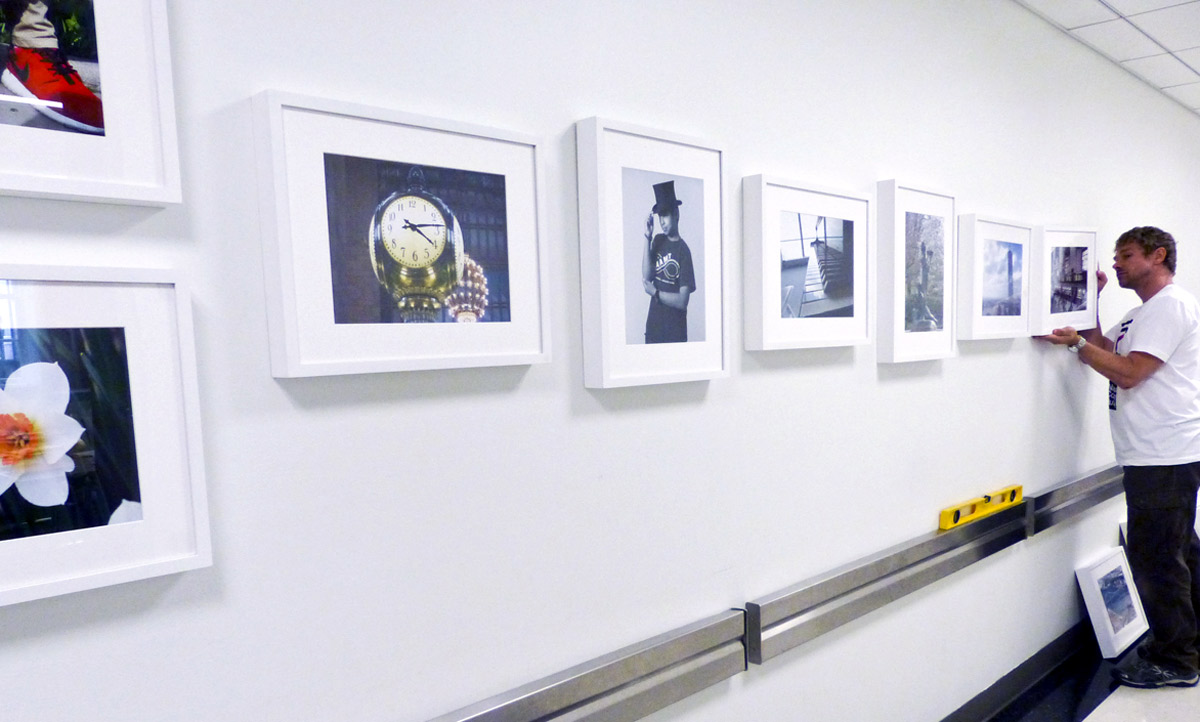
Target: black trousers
x,y
1164,555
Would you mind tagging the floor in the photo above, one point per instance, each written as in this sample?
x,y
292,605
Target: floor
x,y
1170,704
1082,690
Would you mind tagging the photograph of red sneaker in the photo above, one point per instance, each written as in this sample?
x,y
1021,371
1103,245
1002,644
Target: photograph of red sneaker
x,y
45,74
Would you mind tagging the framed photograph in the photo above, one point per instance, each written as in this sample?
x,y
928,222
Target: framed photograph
x,y
93,118
916,278
396,242
993,278
102,479
650,236
1112,602
1064,279
805,265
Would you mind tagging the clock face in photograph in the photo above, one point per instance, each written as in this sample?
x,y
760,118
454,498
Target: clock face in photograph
x,y
413,231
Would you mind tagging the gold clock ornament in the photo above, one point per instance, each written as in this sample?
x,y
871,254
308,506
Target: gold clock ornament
x,y
415,243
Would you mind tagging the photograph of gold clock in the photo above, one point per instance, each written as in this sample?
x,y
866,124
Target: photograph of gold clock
x,y
414,243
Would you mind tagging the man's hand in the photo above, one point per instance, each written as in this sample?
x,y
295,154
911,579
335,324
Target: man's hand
x,y
649,234
1101,279
649,286
1061,337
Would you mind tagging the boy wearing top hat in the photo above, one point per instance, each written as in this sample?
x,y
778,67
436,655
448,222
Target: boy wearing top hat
x,y
667,272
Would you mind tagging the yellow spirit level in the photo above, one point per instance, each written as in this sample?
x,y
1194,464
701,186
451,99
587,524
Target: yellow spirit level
x,y
980,507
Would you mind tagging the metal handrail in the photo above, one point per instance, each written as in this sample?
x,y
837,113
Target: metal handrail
x,y
627,684
633,682
1073,498
792,616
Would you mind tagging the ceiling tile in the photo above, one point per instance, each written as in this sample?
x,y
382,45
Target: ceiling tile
x,y
1071,13
1191,57
1176,28
1118,40
1189,95
1130,7
1162,70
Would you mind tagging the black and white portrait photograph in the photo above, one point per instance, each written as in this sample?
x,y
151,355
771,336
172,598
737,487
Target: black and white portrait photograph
x,y
1002,278
816,266
663,224
1069,287
924,272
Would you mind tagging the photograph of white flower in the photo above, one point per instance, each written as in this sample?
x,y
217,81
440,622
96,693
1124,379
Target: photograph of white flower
x,y
67,457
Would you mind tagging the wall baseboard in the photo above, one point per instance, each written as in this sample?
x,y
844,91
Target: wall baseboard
x,y
994,699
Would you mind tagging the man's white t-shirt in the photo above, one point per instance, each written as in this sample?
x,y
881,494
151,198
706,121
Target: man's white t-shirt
x,y
1157,422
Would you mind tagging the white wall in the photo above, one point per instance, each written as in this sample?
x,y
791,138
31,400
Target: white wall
x,y
354,580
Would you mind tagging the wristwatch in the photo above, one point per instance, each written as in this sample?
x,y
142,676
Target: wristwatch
x,y
1074,348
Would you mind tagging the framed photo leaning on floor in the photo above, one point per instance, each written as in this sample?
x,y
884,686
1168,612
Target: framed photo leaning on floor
x,y
1112,602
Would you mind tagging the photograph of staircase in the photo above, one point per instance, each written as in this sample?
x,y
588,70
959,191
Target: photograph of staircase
x,y
817,266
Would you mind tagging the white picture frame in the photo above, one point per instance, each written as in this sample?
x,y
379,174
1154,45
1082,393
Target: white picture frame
x,y
328,312
136,160
915,325
165,530
1112,601
806,265
619,164
1063,300
993,277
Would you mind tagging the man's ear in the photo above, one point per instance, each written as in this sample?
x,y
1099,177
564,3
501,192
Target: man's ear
x,y
1162,257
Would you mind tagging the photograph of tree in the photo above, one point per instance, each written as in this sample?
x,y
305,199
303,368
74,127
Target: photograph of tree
x,y
924,272
67,454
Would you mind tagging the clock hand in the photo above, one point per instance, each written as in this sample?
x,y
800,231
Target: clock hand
x,y
414,227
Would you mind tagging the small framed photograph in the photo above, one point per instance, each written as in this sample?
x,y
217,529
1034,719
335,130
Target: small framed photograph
x,y
651,256
1064,279
396,242
1112,602
102,480
87,109
805,265
916,278
993,278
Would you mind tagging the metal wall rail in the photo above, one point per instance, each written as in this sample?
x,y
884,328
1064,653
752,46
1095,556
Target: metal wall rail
x,y
638,680
790,617
628,684
1072,498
